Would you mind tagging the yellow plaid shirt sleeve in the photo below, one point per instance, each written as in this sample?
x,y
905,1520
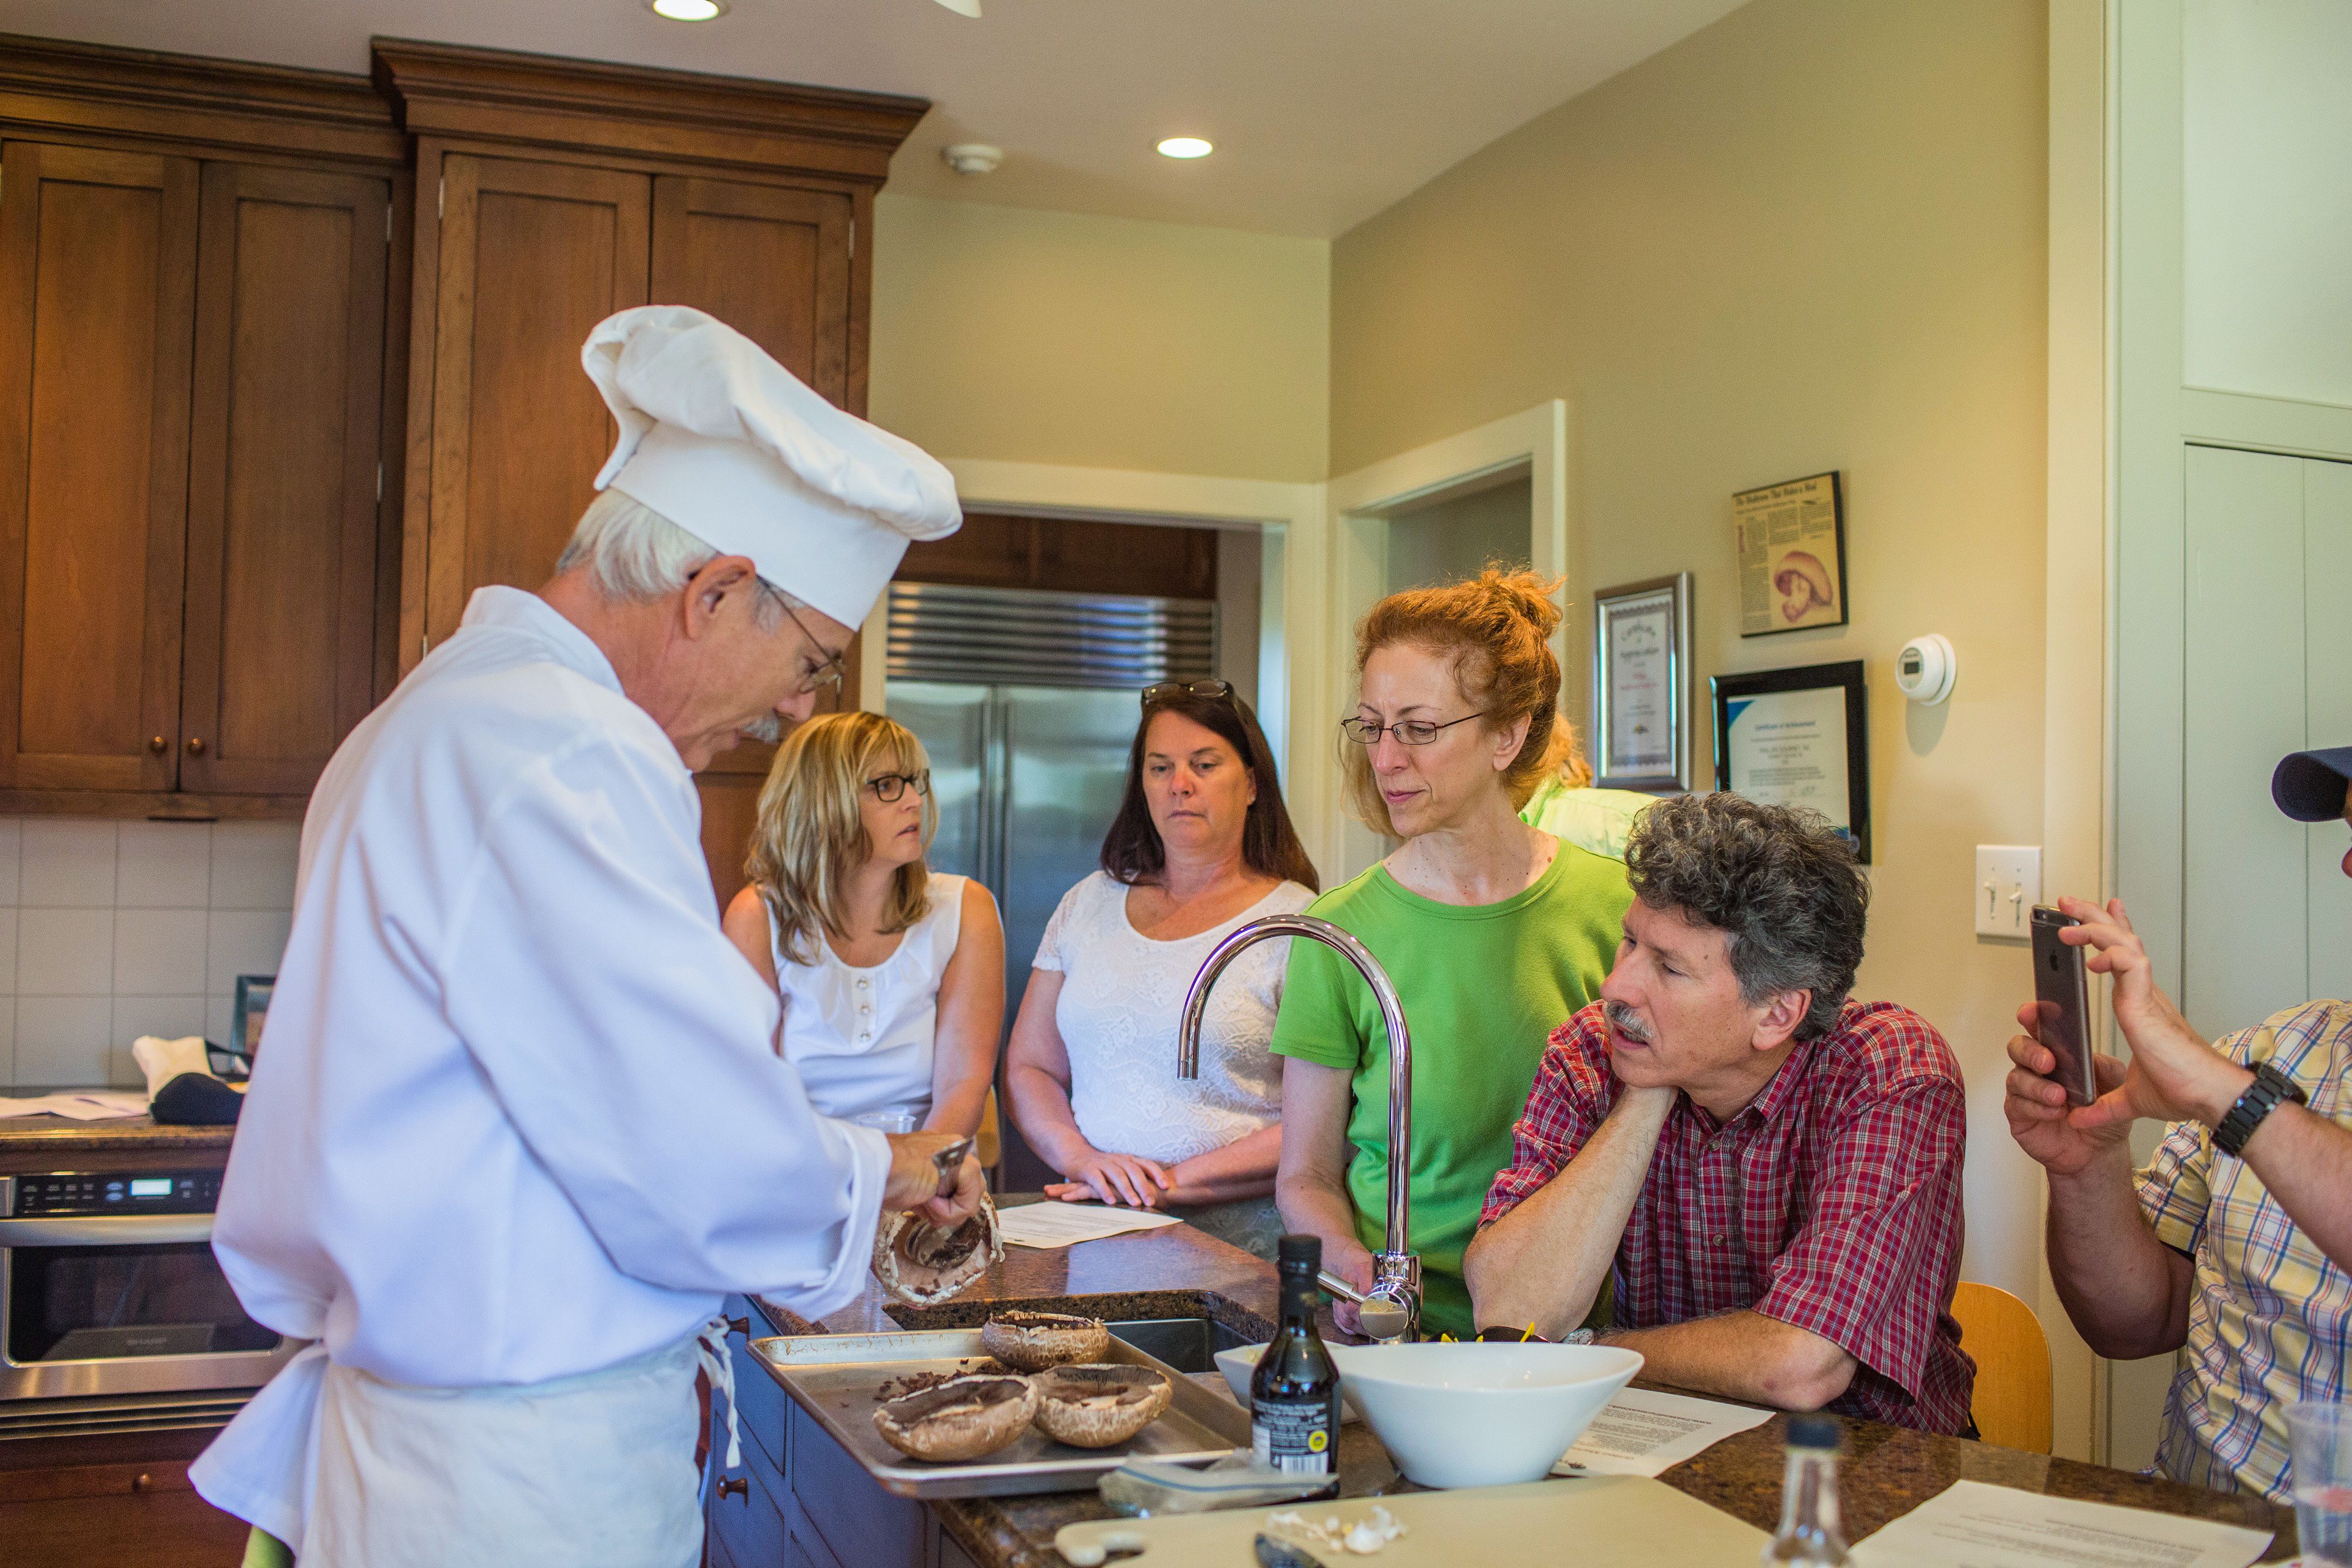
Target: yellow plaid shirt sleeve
x,y
2269,1315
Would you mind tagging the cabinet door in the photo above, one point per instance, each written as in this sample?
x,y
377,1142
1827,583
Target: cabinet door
x,y
772,263
531,256
284,474
98,254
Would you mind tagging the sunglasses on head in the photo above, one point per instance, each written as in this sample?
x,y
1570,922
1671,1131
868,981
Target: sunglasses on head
x,y
1168,691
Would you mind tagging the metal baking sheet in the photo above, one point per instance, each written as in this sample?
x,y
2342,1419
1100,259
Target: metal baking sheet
x,y
834,1378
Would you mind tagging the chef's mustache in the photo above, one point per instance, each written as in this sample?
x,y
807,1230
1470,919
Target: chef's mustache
x,y
769,729
1627,1022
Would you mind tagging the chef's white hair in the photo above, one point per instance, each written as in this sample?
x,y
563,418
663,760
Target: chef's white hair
x,y
634,554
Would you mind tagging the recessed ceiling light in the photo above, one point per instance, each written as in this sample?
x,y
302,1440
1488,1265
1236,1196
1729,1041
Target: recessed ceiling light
x,y
1185,147
689,10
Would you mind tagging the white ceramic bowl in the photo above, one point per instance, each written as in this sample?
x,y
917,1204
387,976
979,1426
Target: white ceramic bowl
x,y
1475,1415
1240,1362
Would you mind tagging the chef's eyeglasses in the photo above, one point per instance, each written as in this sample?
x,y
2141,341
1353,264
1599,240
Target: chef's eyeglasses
x,y
828,674
1408,731
889,787
1168,691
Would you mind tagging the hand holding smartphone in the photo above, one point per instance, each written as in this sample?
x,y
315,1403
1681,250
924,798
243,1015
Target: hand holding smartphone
x,y
2062,1005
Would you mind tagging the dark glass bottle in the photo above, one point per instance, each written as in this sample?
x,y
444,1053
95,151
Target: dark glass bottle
x,y
1295,1393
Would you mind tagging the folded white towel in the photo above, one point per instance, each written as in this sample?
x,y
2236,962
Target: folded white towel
x,y
164,1059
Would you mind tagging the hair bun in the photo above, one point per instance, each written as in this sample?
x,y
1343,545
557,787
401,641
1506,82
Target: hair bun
x,y
1527,595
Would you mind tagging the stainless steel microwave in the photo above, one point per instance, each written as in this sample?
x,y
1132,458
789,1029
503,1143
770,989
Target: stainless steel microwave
x,y
108,1287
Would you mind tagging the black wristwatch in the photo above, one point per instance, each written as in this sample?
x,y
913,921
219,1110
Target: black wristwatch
x,y
2262,1097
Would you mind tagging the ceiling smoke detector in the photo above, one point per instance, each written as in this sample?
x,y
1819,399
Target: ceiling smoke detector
x,y
972,157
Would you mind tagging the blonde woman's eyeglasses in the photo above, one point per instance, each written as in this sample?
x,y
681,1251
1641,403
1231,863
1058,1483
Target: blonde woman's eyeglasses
x,y
1409,732
889,787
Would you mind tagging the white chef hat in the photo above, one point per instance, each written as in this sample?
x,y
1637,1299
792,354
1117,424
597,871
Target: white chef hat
x,y
730,446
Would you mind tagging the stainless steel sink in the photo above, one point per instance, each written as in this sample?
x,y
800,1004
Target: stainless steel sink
x,y
1188,1345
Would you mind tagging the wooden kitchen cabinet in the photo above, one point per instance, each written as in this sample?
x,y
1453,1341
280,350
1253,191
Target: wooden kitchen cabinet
x,y
97,252
198,261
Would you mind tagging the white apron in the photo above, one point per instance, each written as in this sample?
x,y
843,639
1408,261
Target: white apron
x,y
593,1469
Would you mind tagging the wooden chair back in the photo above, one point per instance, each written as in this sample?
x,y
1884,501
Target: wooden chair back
x,y
2012,1355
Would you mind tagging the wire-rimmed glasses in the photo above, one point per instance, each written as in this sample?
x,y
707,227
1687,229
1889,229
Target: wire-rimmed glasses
x,y
1408,731
1168,691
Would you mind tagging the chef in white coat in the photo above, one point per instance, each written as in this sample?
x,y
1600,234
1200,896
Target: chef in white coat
x,y
519,1126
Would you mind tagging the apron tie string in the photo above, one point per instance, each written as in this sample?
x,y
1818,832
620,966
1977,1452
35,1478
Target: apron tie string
x,y
719,1364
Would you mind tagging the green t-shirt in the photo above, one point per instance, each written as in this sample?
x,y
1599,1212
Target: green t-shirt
x,y
1483,987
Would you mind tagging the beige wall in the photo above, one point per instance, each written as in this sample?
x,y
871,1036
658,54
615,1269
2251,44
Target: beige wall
x,y
1038,336
1811,236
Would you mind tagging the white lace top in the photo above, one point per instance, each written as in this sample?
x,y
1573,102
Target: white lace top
x,y
1122,997
863,1038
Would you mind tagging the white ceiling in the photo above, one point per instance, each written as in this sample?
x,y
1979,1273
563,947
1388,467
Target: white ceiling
x,y
1324,111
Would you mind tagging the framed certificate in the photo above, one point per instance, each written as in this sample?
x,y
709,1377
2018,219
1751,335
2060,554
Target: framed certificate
x,y
1798,737
1792,543
1641,686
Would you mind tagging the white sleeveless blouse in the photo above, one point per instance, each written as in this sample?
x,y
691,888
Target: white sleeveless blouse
x,y
863,1038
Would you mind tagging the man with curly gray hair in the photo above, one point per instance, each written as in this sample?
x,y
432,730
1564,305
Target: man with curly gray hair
x,y
1767,1169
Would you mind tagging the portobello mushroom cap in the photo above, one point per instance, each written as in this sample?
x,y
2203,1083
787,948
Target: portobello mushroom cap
x,y
1032,1342
922,1265
962,1419
1096,1405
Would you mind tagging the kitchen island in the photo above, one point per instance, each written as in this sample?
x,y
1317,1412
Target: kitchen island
x,y
800,1499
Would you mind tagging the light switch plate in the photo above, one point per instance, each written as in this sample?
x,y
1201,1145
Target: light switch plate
x,y
2007,886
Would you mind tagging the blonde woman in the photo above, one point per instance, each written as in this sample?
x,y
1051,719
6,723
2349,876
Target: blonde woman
x,y
892,978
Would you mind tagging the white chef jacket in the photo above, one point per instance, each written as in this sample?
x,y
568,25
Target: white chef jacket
x,y
518,1116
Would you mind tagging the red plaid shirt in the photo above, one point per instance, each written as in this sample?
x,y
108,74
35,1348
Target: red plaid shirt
x,y
1832,1201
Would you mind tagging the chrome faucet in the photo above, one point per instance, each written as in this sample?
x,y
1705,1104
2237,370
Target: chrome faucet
x,y
1391,1310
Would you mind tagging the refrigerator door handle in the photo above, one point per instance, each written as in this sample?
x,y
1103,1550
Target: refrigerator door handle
x,y
996,790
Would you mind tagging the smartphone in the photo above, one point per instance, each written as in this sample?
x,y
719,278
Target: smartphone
x,y
2062,1002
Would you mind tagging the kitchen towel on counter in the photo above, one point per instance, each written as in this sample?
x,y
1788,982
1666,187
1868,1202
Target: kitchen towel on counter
x,y
80,1104
181,1088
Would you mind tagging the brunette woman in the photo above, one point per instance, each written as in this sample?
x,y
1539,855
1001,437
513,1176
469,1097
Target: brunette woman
x,y
1202,844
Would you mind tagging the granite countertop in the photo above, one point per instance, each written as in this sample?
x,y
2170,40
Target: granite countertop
x,y
1177,1270
63,1136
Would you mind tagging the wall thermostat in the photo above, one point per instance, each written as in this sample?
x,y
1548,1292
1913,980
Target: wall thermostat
x,y
1924,670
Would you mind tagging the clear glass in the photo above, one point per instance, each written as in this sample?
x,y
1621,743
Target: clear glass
x,y
2320,1438
1812,1533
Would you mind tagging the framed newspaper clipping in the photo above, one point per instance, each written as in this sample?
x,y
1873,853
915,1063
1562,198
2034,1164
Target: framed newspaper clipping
x,y
1791,542
1641,686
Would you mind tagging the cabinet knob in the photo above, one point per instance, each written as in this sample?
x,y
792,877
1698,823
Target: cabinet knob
x,y
195,746
739,1486
159,745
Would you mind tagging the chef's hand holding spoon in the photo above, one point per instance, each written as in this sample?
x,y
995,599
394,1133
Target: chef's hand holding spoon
x,y
936,1175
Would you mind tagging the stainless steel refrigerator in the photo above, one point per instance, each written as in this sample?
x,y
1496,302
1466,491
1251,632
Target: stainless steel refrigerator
x,y
1027,702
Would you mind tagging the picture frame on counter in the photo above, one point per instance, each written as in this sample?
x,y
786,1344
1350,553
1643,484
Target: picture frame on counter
x,y
1641,685
1798,737
1791,539
245,1024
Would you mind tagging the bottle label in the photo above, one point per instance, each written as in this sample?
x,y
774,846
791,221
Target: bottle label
x,y
1299,1438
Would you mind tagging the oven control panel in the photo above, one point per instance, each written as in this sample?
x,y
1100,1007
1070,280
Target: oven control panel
x,y
117,1192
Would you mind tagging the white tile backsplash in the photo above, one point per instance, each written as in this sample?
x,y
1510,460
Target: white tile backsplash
x,y
109,931
159,952
65,952
62,1042
253,864
163,865
66,863
242,942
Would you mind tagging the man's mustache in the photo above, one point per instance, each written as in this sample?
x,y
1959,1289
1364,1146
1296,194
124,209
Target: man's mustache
x,y
1627,1022
769,729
